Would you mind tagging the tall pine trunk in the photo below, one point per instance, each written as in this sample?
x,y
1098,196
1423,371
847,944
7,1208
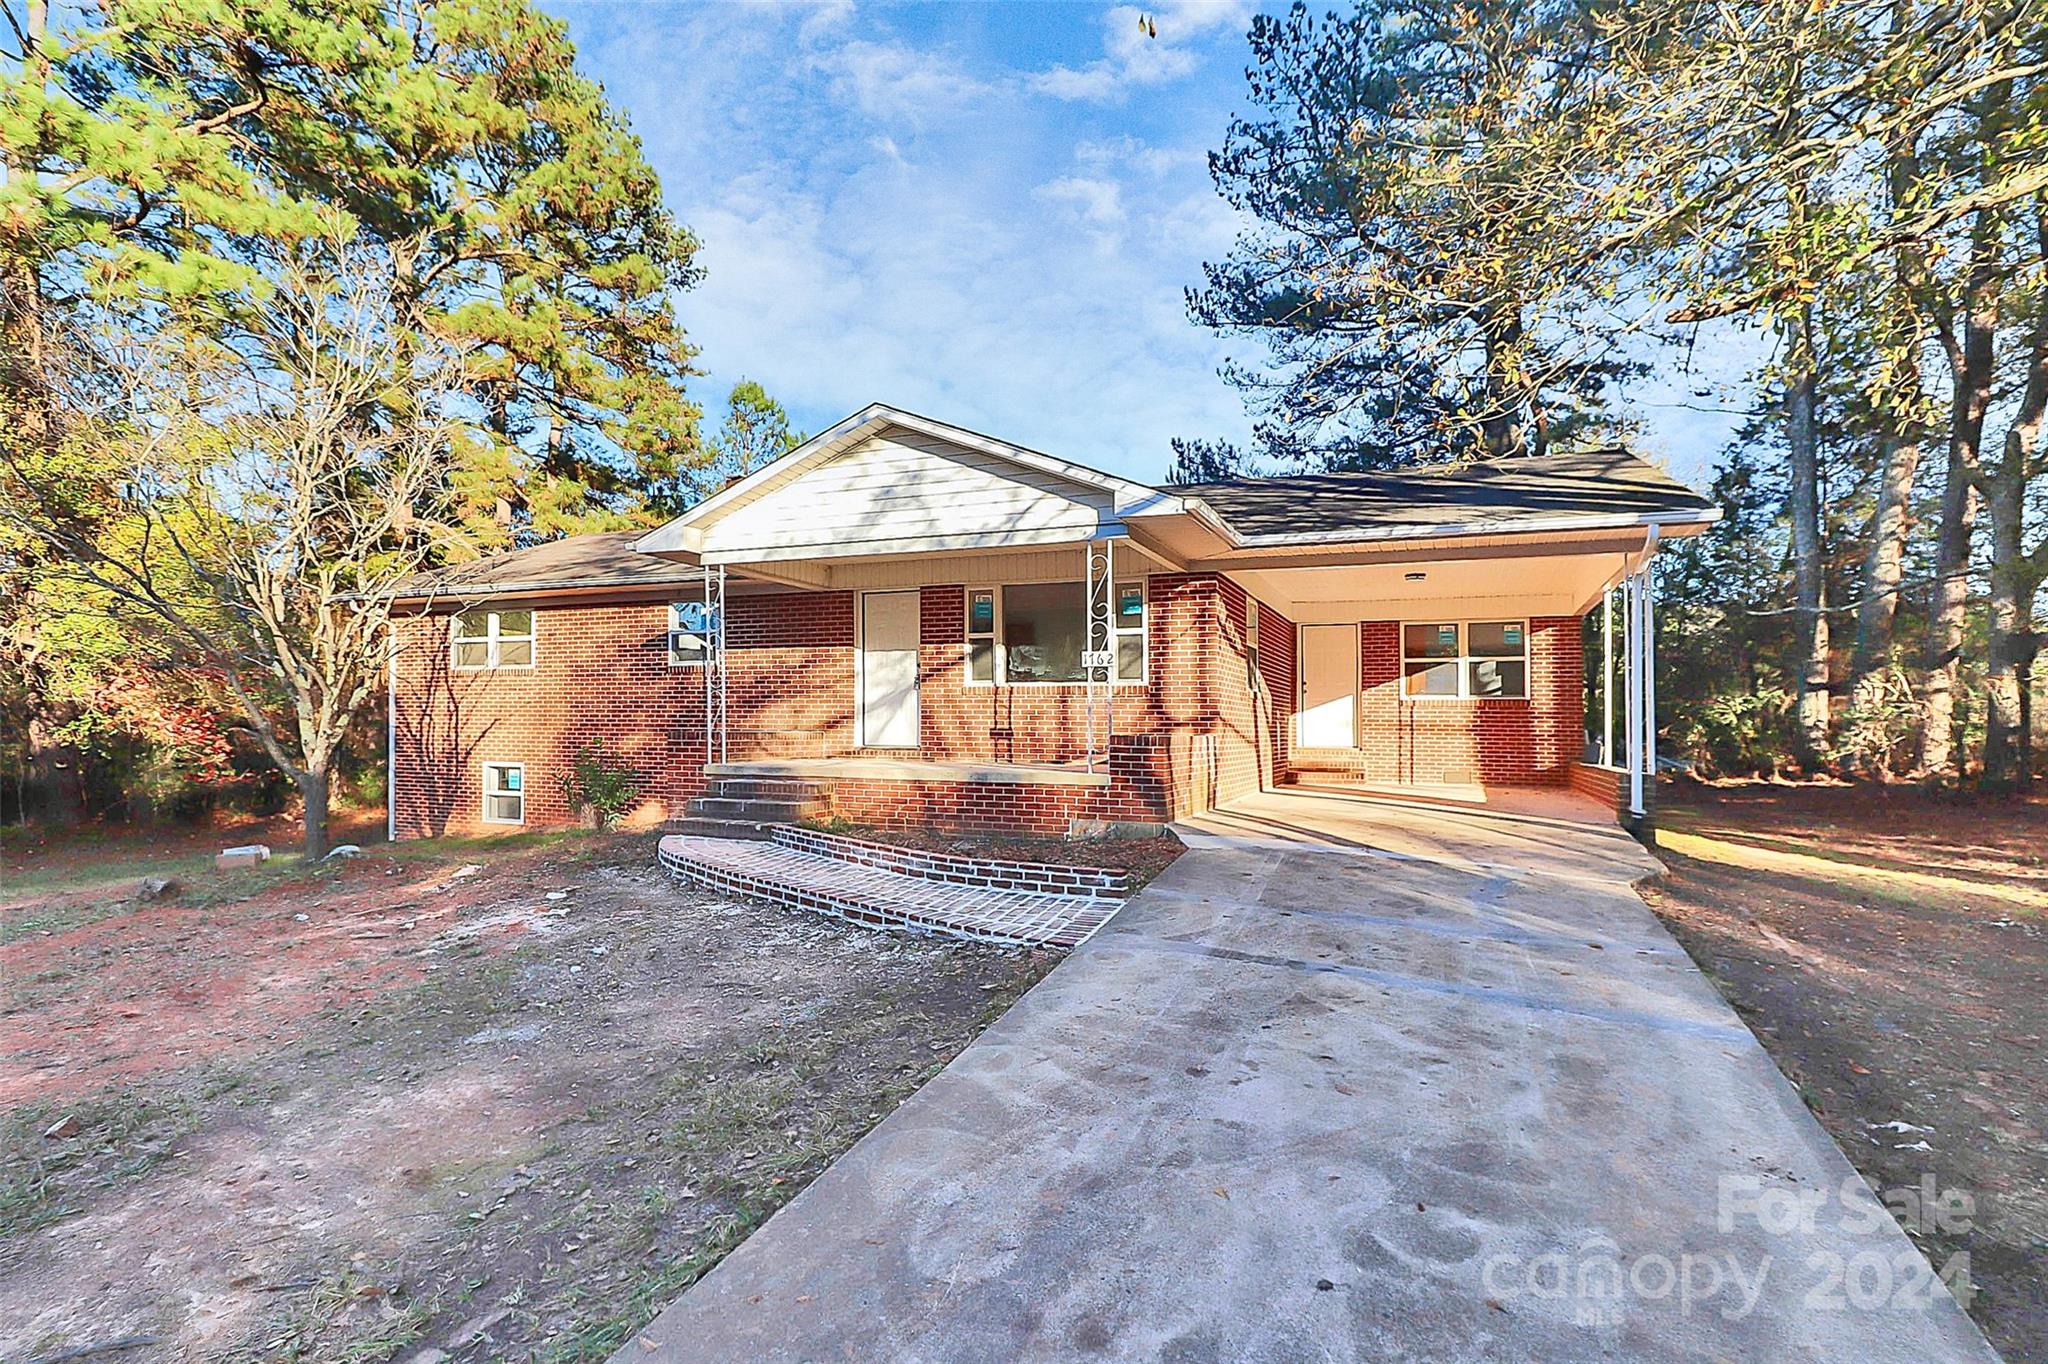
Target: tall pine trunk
x,y
1970,361
1884,567
1503,426
2009,650
1891,517
1808,565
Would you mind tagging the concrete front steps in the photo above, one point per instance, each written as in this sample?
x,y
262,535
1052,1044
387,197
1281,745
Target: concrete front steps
x,y
1019,904
751,807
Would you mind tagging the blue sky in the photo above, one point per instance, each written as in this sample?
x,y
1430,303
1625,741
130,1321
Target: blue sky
x,y
983,212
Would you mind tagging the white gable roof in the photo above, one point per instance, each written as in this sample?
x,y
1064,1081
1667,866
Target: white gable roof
x,y
885,481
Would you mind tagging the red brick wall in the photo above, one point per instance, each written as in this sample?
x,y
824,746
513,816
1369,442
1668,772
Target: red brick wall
x,y
1036,723
600,673
1605,784
1204,729
1277,675
1533,741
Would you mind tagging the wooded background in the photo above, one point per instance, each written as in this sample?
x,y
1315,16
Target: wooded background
x,y
297,298
1477,222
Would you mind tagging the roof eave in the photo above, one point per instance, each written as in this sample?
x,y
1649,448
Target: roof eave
x,y
473,592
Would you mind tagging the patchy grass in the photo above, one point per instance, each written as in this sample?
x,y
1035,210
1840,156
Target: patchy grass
x,y
397,1104
1889,949
343,1319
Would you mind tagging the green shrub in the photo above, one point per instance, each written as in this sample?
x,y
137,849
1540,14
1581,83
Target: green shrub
x,y
600,785
1878,729
1738,733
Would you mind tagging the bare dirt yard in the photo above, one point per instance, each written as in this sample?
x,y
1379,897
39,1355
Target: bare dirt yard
x,y
446,1101
1890,948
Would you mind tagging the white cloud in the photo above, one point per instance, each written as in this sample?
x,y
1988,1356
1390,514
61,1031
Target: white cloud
x,y
1098,201
1126,153
896,82
1144,46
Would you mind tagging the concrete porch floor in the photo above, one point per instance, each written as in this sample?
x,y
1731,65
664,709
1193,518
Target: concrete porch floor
x,y
1354,1079
1540,802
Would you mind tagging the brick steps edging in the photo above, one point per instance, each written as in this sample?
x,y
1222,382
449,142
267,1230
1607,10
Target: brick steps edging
x,y
992,873
877,908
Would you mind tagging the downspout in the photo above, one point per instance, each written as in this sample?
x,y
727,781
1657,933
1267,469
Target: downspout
x,y
390,740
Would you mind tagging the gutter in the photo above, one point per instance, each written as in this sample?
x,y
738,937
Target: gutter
x,y
468,592
390,739
1464,529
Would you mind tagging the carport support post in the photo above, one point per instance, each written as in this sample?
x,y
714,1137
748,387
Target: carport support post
x,y
1632,707
1639,624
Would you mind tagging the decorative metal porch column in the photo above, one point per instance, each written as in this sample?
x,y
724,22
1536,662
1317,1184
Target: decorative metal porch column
x,y
1098,656
714,663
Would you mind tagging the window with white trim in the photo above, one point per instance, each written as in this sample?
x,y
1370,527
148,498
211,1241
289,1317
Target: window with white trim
x,y
504,793
492,639
1036,632
1450,660
1129,628
981,635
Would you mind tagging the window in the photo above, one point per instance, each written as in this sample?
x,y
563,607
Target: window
x,y
1044,630
1129,625
691,628
1482,658
981,635
1037,632
1497,658
504,793
493,639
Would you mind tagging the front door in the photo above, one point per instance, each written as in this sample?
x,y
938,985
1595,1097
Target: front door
x,y
1326,715
888,669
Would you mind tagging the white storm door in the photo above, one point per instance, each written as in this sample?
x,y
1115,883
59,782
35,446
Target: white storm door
x,y
1327,713
888,669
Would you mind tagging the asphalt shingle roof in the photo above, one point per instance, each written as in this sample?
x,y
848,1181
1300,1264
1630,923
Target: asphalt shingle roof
x,y
1484,495
604,559
1488,494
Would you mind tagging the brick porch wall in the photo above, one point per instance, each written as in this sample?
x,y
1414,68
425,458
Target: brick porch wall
x,y
1604,784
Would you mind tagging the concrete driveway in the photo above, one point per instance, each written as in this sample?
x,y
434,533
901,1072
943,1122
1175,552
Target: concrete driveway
x,y
1354,1080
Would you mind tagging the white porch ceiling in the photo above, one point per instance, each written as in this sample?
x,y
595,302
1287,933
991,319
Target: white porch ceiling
x,y
1555,584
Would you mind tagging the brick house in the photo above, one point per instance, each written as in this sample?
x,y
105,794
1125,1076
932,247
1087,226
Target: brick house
x,y
934,627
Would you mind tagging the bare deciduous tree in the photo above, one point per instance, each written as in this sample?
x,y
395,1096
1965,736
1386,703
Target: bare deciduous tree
x,y
273,480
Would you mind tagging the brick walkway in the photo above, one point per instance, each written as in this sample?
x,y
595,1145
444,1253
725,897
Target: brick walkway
x,y
885,899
